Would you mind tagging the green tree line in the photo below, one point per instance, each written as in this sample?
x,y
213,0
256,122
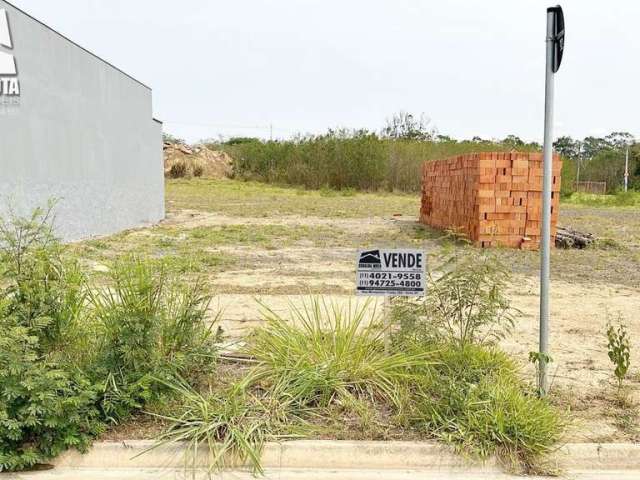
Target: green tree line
x,y
392,158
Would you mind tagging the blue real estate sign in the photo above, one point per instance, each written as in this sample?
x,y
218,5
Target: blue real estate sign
x,y
394,273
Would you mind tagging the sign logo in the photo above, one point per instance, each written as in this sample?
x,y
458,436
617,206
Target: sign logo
x,y
370,259
9,84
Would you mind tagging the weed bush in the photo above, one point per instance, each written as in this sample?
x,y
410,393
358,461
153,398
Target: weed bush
x,y
46,405
68,365
472,396
619,351
151,326
178,170
465,302
198,170
476,402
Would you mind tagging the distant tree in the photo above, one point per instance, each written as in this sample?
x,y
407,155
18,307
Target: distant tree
x,y
568,147
592,146
619,140
513,141
241,140
445,139
406,126
168,138
606,166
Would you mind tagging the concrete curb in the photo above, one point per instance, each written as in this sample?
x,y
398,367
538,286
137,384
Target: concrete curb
x,y
325,454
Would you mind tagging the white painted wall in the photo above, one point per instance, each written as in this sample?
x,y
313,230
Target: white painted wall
x,y
82,133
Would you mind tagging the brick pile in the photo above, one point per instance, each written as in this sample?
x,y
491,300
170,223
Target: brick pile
x,y
494,199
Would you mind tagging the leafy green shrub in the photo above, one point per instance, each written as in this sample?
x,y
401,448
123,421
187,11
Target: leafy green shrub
x,y
45,291
465,303
44,408
66,368
46,404
619,351
151,326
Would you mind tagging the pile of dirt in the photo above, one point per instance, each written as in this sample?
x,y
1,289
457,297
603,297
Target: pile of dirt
x,y
182,160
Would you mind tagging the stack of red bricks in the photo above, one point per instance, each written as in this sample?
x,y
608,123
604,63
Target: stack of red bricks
x,y
494,199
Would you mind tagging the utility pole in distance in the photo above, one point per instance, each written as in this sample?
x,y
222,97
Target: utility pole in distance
x,y
626,169
555,48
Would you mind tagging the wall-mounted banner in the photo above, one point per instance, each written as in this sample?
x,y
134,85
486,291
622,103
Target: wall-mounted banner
x,y
397,273
9,83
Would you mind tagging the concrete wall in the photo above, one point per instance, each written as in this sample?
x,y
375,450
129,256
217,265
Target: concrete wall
x,y
82,132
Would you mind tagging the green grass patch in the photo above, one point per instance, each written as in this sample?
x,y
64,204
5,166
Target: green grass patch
x,y
254,199
620,199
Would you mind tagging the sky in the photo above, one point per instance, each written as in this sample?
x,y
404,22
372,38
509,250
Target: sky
x,y
473,67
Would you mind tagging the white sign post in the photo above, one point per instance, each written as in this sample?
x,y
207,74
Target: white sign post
x,y
391,273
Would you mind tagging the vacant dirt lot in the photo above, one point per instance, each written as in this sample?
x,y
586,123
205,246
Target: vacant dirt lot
x,y
275,245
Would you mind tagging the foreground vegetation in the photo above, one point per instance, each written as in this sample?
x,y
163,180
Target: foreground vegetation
x,y
74,358
325,371
79,357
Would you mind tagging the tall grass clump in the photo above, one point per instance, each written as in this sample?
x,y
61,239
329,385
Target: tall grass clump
x,y
326,365
322,359
477,403
227,428
325,353
151,326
